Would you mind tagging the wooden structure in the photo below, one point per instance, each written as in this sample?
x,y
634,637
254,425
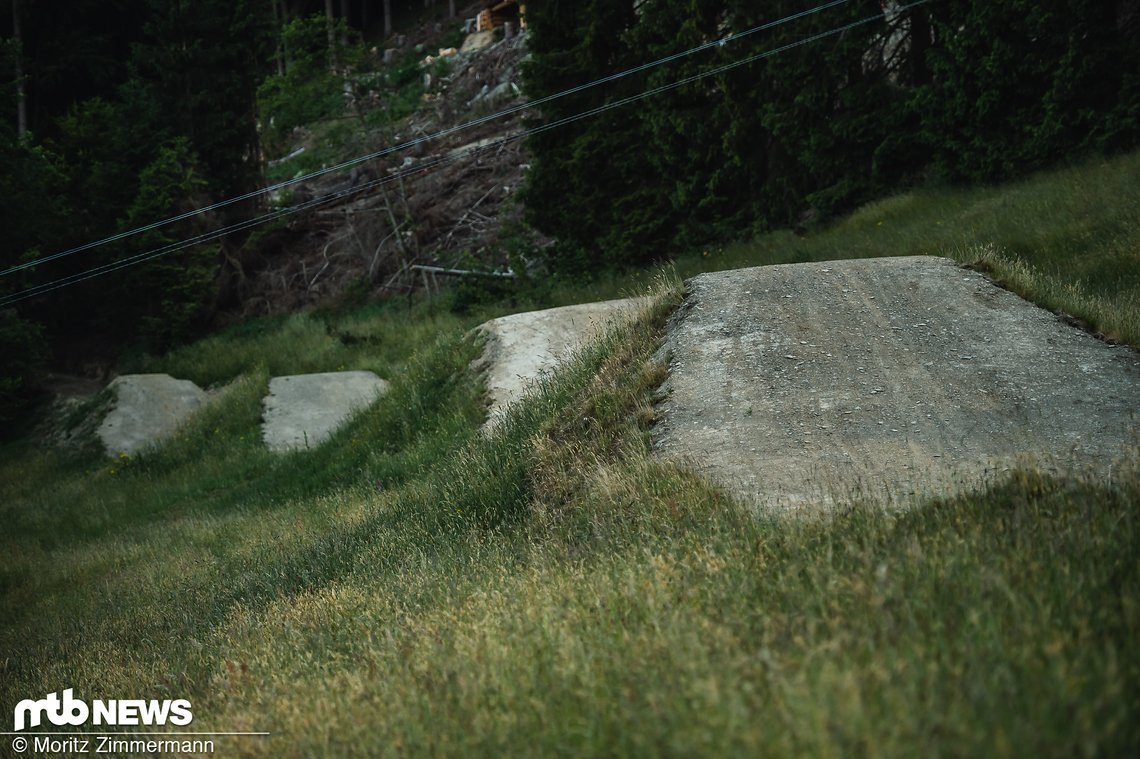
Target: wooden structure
x,y
497,14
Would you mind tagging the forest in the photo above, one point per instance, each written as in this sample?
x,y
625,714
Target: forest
x,y
946,92
121,113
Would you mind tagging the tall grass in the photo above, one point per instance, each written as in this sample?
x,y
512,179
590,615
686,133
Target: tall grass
x,y
377,338
416,587
1068,239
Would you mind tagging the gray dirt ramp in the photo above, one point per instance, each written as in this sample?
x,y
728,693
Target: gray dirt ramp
x,y
147,409
809,384
304,410
522,347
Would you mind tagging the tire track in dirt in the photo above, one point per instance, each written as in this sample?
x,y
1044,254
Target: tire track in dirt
x,y
888,379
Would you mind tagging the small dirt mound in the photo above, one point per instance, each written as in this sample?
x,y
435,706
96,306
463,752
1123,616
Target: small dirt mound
x,y
522,347
304,410
147,409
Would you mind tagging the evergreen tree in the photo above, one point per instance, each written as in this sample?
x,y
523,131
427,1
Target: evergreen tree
x,y
590,186
35,208
1021,84
105,150
306,91
188,94
961,89
164,300
831,107
199,67
32,212
22,358
73,54
686,128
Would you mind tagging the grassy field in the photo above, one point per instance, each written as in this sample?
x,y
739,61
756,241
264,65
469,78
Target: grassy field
x,y
413,587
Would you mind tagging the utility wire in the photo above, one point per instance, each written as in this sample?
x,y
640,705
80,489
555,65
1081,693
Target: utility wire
x,y
212,235
426,138
427,166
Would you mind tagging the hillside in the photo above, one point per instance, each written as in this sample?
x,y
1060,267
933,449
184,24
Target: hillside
x,y
170,168
248,156
446,201
414,586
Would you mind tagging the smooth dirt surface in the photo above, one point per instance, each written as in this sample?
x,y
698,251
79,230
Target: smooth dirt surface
x,y
303,410
810,384
521,348
148,409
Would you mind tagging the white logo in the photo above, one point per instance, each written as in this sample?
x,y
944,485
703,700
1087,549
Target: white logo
x,y
72,711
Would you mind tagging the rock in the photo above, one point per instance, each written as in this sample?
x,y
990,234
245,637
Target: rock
x,y
501,92
477,41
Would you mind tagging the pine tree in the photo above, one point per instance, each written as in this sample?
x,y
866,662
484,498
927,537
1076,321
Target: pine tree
x,y
33,211
200,67
1019,85
74,56
17,58
163,300
691,130
590,185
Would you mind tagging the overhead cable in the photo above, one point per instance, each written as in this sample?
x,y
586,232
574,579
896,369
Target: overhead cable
x,y
423,139
429,165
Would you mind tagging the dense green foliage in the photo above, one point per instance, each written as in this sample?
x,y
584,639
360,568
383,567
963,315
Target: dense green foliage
x,y
22,355
200,64
138,110
1018,85
590,185
306,91
149,111
168,297
957,90
33,209
30,216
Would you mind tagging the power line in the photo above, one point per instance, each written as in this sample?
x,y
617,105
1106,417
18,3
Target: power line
x,y
420,168
427,166
206,237
426,138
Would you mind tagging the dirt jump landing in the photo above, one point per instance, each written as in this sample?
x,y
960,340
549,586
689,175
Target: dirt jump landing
x,y
304,410
811,384
147,409
522,347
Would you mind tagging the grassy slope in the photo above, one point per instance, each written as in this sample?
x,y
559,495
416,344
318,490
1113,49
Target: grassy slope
x,y
1068,239
414,587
